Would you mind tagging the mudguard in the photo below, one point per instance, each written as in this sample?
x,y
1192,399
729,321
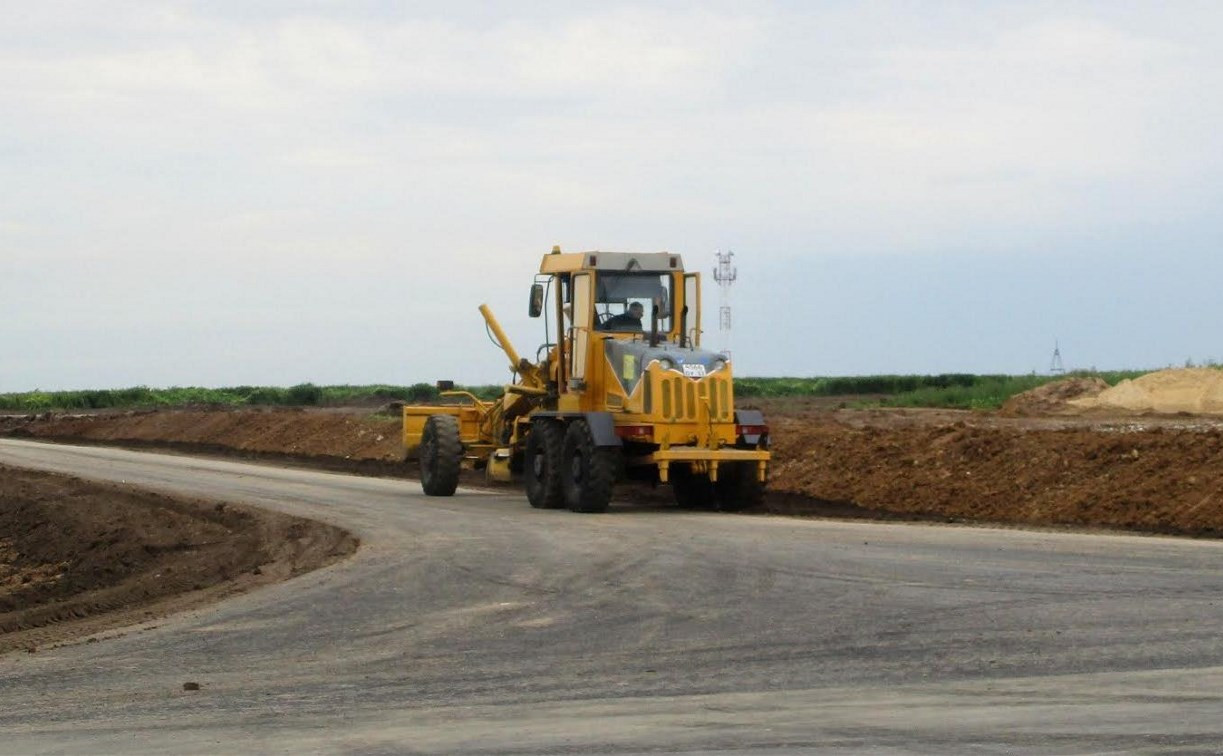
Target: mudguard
x,y
602,425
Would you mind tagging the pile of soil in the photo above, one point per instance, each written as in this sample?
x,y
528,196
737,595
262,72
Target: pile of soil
x,y
1098,471
1196,391
1052,398
354,440
1155,480
104,555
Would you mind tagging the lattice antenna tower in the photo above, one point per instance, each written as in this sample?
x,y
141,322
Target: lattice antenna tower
x,y
1055,366
725,274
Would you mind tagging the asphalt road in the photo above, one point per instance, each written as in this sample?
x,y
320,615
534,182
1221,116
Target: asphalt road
x,y
476,624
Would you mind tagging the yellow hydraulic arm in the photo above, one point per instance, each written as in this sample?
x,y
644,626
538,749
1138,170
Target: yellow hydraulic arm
x,y
530,376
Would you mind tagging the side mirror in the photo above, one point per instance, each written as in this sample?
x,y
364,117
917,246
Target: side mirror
x,y
537,300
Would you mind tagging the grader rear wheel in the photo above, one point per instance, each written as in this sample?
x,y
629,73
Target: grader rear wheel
x,y
738,488
542,466
692,490
588,471
441,454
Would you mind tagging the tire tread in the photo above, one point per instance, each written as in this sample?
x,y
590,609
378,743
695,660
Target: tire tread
x,y
442,477
600,474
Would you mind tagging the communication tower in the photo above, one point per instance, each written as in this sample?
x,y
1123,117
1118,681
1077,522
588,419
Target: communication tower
x,y
1056,366
725,274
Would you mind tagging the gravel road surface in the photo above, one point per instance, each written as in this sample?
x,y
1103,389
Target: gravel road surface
x,y
475,624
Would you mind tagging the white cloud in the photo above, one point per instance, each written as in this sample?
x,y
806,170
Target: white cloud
x,y
143,141
16,228
234,65
643,52
328,158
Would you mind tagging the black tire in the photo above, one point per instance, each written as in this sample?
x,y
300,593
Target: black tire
x,y
692,490
588,471
542,466
737,487
441,455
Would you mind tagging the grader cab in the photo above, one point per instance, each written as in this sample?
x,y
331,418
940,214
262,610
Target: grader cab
x,y
620,388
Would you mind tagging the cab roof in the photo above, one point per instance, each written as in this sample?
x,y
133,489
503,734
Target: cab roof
x,y
620,262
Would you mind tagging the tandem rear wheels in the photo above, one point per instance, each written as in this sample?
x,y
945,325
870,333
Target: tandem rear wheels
x,y
588,472
564,468
736,488
542,464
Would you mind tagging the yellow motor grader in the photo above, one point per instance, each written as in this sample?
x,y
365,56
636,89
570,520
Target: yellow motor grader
x,y
620,389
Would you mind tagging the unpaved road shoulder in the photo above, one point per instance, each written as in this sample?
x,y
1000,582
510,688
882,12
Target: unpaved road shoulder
x,y
78,557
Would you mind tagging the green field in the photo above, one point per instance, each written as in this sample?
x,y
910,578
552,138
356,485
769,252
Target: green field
x,y
302,395
949,390
955,390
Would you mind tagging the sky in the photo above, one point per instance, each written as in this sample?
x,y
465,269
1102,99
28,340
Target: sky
x,y
243,193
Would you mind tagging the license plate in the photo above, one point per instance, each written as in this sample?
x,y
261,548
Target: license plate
x,y
694,371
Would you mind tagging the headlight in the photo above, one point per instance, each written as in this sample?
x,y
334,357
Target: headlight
x,y
666,364
717,365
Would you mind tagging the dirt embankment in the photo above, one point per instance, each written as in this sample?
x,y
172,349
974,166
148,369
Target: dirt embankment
x,y
1157,479
1151,473
323,436
1052,398
78,557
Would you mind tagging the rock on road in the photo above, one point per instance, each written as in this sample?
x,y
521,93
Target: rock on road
x,y
476,624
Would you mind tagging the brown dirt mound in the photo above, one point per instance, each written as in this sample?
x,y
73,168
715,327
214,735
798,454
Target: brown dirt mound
x,y
1052,398
1160,474
1196,391
96,555
1157,480
293,432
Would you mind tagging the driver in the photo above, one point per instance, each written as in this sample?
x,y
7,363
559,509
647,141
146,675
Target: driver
x,y
630,320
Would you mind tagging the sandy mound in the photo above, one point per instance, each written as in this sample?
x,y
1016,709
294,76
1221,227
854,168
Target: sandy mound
x,y
1194,390
1051,398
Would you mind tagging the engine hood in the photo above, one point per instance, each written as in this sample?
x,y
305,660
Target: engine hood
x,y
630,358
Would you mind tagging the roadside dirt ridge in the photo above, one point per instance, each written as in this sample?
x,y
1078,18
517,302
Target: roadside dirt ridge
x,y
78,557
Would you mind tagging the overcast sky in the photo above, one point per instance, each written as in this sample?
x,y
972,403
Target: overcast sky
x,y
209,193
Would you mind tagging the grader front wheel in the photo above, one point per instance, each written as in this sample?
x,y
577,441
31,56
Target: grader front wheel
x,y
441,454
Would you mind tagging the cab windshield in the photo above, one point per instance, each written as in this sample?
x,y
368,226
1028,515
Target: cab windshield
x,y
623,301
